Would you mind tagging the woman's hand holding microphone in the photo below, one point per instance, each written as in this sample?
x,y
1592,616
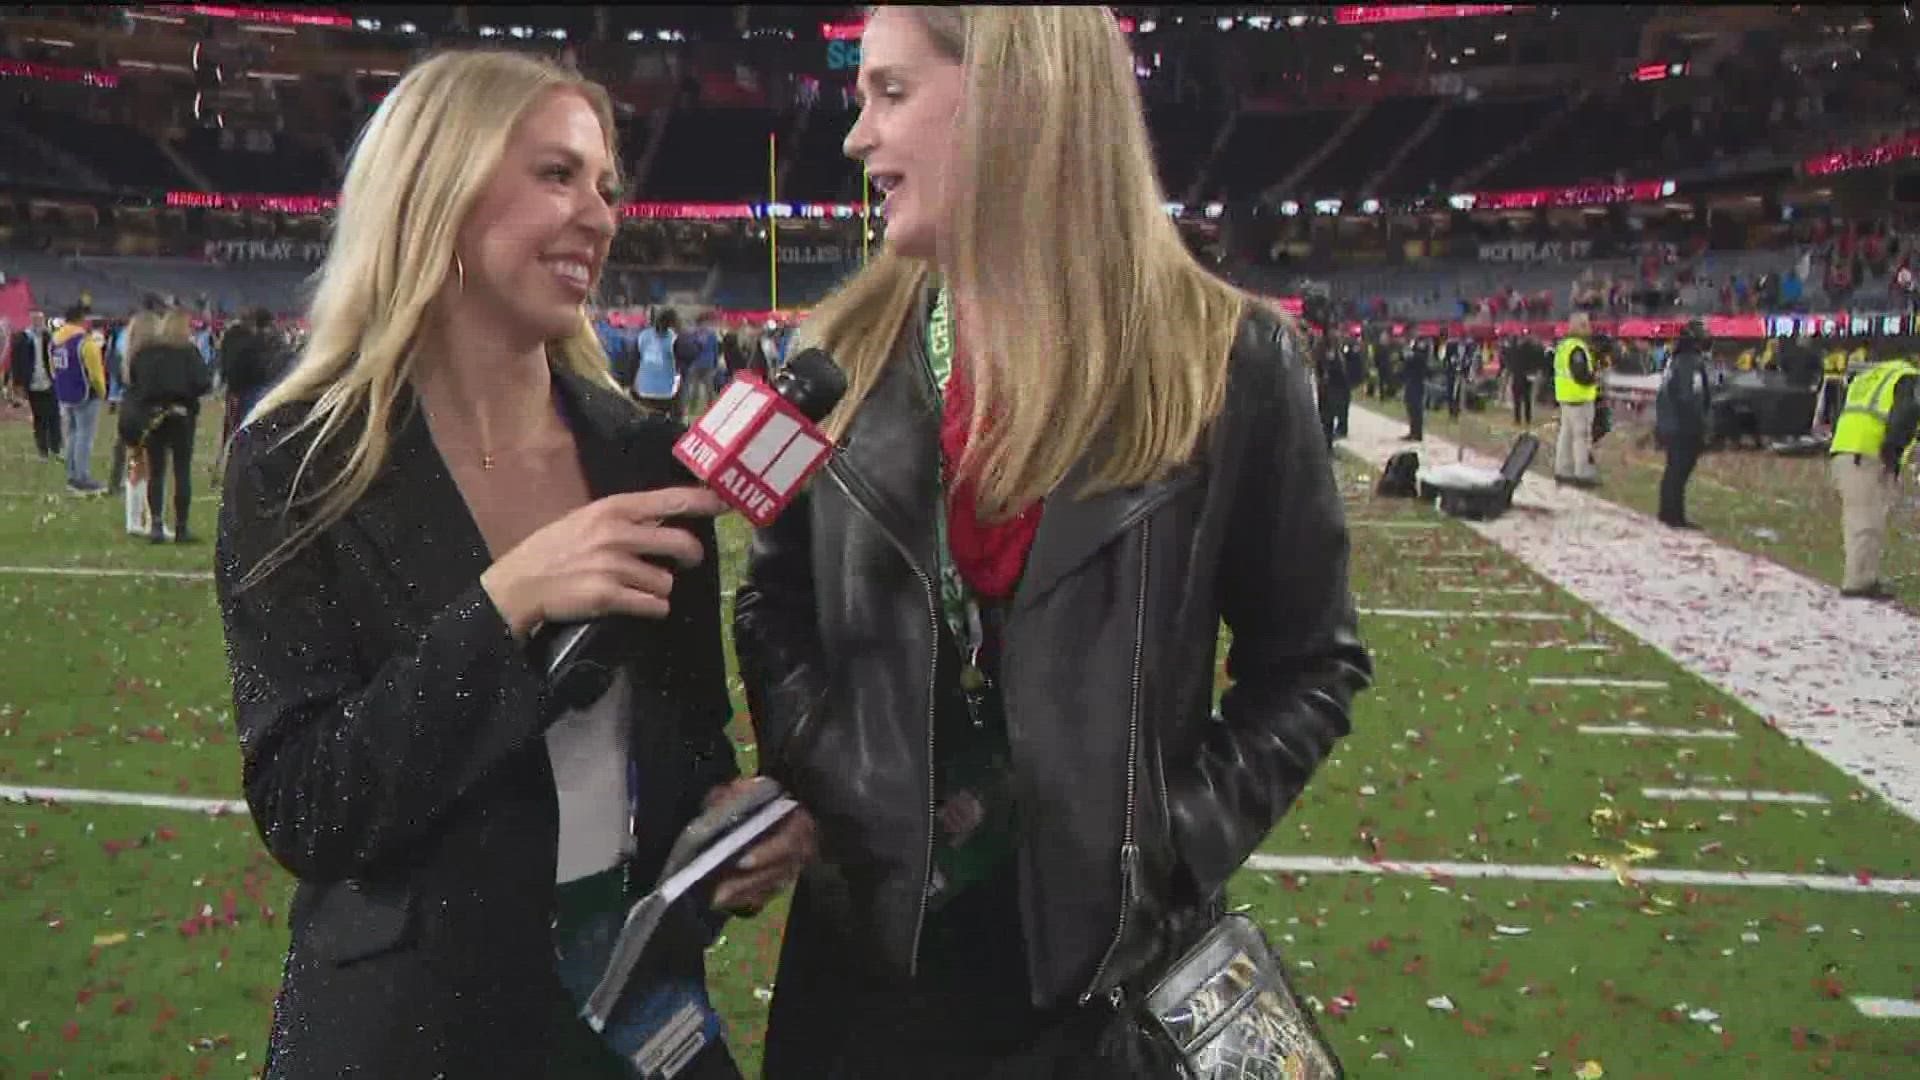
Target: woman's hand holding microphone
x,y
593,561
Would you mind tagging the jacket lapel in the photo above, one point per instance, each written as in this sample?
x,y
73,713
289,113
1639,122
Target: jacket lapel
x,y
415,508
1074,530
414,516
889,461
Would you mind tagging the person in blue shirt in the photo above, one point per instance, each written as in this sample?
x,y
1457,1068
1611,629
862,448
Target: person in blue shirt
x,y
656,379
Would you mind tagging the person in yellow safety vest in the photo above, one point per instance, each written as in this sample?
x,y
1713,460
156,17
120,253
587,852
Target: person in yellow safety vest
x,y
1769,355
1876,426
1576,386
1858,357
1744,362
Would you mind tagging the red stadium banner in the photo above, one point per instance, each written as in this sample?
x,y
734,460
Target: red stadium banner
x,y
224,200
279,16
60,73
851,29
1864,157
1578,195
319,204
1361,14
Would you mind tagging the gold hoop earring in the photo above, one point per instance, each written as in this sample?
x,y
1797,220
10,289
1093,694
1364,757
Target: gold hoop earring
x,y
460,272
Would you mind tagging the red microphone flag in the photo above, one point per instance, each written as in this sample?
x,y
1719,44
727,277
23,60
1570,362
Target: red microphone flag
x,y
754,449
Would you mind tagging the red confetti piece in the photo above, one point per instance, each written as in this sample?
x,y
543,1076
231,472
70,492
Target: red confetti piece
x,y
165,833
123,1006
71,1031
85,995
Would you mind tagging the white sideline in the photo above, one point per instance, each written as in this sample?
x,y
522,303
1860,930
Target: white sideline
x,y
1583,646
1839,675
1886,1008
1618,684
1695,794
12,793
1645,731
1485,590
95,571
1428,613
1347,864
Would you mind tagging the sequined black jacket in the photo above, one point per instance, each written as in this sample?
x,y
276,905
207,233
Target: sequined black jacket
x,y
1108,676
390,731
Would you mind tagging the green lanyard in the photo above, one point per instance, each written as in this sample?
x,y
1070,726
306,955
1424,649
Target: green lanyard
x,y
963,617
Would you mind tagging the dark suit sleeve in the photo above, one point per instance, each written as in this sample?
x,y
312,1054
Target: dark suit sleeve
x,y
1580,366
349,760
1296,660
776,634
1902,420
700,671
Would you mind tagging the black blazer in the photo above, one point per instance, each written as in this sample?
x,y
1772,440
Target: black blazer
x,y
390,731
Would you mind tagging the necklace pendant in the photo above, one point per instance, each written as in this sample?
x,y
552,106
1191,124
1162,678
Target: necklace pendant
x,y
486,461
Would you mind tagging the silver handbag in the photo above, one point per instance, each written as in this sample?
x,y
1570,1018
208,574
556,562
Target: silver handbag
x,y
1227,1009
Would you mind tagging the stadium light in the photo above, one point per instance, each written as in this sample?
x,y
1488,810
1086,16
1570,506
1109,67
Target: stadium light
x,y
367,24
1148,26
1290,208
489,31
1214,210
636,35
407,28
1371,206
1224,23
1296,21
557,34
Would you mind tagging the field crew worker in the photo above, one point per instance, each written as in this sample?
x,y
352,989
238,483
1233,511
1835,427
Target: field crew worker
x,y
1576,386
1875,428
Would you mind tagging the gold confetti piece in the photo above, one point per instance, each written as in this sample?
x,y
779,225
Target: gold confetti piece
x,y
1590,1070
1603,817
115,938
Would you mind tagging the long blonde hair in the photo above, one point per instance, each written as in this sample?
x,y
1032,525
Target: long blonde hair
x,y
141,329
1081,311
415,172
171,327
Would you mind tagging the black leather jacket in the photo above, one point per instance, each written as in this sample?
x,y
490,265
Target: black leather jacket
x,y
1137,800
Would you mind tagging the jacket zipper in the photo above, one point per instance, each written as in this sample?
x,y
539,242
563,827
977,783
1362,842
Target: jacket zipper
x,y
933,680
1129,849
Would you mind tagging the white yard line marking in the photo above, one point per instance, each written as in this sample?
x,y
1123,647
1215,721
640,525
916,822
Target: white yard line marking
x,y
1694,794
1583,646
120,798
1425,613
1346,864
1481,590
94,571
64,496
1646,731
1619,684
1886,1008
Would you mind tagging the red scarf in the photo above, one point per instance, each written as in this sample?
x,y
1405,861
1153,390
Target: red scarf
x,y
988,557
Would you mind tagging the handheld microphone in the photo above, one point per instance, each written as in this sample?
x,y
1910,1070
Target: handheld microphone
x,y
755,448
758,444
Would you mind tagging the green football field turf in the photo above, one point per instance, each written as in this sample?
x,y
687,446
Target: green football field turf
x,y
147,943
